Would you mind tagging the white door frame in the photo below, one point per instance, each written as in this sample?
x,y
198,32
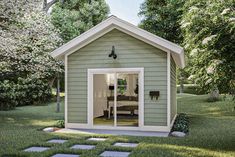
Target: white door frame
x,y
90,74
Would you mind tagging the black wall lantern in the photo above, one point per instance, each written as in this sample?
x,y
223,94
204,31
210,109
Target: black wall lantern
x,y
112,54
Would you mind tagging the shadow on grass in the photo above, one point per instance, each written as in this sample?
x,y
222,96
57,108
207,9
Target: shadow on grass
x,y
151,150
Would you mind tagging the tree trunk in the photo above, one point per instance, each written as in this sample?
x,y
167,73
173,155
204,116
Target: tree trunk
x,y
181,84
47,5
58,94
51,82
214,94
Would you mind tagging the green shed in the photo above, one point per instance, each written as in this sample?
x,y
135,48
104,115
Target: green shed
x,y
118,76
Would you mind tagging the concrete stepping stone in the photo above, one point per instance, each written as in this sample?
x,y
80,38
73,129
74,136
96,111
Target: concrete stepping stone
x,y
119,144
81,146
114,154
36,149
49,129
57,141
65,155
96,139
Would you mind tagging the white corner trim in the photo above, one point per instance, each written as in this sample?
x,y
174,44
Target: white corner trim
x,y
66,91
168,88
112,23
173,120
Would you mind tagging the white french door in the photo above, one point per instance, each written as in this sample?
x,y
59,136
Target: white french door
x,y
115,98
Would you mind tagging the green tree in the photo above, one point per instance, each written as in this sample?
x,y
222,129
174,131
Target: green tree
x,y
27,37
209,39
163,17
73,17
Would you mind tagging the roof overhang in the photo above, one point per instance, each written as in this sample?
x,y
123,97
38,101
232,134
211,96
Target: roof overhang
x,y
111,23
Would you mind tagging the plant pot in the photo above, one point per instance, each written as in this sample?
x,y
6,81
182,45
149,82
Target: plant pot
x,y
106,114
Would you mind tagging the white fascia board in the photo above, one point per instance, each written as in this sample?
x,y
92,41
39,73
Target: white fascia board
x,y
148,36
182,59
179,59
112,23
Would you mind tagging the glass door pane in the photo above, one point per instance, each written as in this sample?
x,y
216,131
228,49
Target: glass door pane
x,y
127,99
103,99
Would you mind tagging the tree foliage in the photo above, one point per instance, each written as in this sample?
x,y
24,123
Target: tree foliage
x,y
205,29
209,39
162,17
27,37
73,17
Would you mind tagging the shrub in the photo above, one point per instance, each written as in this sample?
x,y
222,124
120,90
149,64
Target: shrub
x,y
192,89
60,124
181,123
213,99
23,92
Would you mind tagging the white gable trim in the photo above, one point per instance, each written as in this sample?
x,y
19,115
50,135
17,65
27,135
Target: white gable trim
x,y
132,30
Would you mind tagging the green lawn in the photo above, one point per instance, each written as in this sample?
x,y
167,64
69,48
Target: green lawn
x,y
212,132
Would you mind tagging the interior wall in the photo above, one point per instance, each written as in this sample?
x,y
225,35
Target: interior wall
x,y
101,92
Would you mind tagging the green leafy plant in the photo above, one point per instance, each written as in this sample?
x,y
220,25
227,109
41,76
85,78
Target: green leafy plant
x,y
213,99
27,70
60,124
181,123
208,29
23,92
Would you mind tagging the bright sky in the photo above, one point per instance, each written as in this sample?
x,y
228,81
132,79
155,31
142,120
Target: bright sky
x,y
125,9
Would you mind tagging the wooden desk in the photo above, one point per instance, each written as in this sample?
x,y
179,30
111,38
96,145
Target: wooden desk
x,y
124,103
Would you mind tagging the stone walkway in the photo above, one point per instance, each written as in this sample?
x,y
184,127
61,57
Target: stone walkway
x,y
114,154
36,149
126,144
106,153
97,139
84,147
57,141
65,155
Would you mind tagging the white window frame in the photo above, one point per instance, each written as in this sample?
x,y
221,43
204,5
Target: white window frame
x,y
90,74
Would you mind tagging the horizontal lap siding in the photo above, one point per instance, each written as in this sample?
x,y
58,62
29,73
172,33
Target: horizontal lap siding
x,y
173,89
131,53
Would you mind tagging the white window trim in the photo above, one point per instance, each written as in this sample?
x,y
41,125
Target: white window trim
x,y
91,72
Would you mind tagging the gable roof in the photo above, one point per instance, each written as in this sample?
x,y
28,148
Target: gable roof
x,y
111,23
